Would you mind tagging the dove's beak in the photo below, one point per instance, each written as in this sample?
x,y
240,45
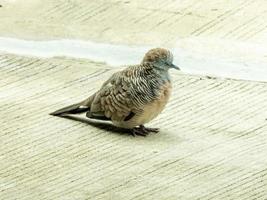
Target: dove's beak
x,y
174,66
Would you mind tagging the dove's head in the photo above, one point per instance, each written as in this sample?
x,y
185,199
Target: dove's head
x,y
161,58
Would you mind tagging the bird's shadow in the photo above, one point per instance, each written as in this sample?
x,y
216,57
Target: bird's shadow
x,y
110,128
102,125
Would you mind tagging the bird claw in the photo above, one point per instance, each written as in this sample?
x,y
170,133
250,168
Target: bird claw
x,y
137,131
153,130
143,131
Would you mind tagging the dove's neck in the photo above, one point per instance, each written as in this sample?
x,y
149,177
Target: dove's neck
x,y
161,71
166,76
163,74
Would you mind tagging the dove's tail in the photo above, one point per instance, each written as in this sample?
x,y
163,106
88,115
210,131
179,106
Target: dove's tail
x,y
72,109
81,107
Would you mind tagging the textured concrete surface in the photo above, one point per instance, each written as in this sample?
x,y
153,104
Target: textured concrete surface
x,y
212,143
135,22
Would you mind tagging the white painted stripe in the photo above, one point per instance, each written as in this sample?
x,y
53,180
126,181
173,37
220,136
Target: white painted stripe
x,y
191,55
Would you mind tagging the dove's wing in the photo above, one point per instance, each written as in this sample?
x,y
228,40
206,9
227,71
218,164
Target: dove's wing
x,y
114,100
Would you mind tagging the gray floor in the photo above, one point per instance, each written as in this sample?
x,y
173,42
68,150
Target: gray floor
x,y
212,143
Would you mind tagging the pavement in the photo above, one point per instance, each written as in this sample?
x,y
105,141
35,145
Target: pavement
x,y
212,143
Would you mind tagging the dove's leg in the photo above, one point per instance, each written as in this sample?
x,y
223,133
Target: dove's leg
x,y
154,130
139,131
143,131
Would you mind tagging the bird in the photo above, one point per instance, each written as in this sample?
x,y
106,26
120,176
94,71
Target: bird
x,y
131,97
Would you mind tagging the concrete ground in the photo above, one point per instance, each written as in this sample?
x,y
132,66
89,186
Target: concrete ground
x,y
212,143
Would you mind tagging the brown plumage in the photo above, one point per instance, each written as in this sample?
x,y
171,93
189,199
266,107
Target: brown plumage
x,y
131,97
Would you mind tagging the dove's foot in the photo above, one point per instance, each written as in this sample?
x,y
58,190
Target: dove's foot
x,y
138,131
143,131
149,130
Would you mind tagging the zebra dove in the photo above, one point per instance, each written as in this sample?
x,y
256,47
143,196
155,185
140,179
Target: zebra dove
x,y
131,97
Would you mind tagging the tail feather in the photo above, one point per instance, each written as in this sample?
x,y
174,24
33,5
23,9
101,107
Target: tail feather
x,y
72,109
80,107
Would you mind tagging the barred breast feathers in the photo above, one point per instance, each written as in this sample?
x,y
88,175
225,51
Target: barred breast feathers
x,y
143,83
